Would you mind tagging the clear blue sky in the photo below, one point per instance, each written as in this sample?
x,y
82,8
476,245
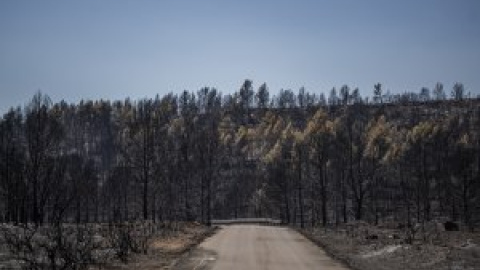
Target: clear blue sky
x,y
113,49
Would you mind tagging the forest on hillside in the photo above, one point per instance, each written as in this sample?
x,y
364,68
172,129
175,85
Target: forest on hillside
x,y
303,158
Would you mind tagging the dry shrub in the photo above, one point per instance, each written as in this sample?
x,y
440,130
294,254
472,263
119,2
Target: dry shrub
x,y
53,246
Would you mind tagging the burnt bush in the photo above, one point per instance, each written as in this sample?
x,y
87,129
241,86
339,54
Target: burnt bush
x,y
53,246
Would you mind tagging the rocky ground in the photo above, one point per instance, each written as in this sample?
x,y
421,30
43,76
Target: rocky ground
x,y
366,247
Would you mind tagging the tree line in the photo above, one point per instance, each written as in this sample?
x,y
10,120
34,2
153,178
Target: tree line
x,y
300,157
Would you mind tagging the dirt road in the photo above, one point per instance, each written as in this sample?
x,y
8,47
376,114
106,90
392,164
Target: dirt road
x,y
258,247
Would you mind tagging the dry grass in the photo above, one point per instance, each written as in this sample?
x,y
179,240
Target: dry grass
x,y
165,250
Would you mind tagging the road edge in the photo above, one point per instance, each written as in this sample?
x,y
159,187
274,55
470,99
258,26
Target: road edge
x,y
342,260
190,247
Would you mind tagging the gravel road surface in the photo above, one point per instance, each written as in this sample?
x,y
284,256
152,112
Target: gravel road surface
x,y
251,247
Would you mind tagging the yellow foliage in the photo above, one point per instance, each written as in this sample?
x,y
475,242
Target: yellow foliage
x,y
287,132
278,126
424,131
398,145
274,154
241,134
378,138
299,137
